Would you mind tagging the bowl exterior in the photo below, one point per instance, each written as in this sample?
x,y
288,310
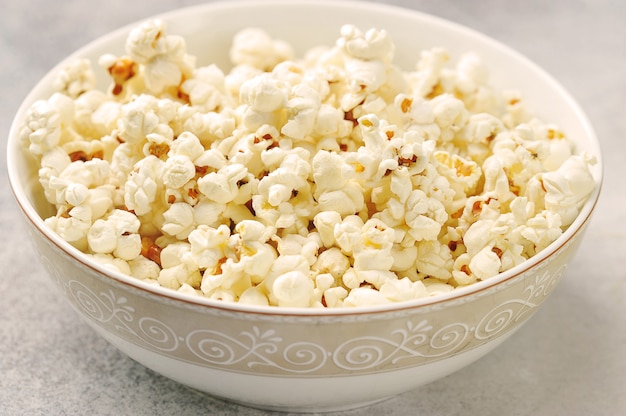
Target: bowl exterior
x,y
310,355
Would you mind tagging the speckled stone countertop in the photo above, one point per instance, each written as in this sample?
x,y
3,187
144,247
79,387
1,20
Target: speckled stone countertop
x,y
570,359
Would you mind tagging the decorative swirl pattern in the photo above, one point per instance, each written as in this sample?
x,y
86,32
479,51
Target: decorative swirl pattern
x,y
273,344
498,319
157,334
448,338
305,357
103,308
215,348
88,301
415,341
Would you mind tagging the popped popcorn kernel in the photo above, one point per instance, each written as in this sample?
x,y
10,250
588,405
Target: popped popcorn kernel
x,y
293,289
75,78
256,48
335,180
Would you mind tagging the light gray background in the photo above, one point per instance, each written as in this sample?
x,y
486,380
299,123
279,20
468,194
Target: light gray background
x,y
570,359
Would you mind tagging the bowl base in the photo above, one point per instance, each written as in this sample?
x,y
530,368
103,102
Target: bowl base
x,y
298,395
308,409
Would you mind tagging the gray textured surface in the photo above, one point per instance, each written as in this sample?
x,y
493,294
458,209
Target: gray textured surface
x,y
570,359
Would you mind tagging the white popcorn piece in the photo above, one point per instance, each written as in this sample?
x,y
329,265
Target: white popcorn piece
x,y
302,108
184,273
325,222
138,119
117,234
146,41
75,78
332,262
364,296
208,212
206,89
162,55
374,278
435,288
362,78
471,72
143,184
76,194
426,78
543,229
171,277
123,160
450,114
481,128
253,296
44,123
187,289
333,297
73,226
143,268
347,234
210,127
404,258
237,76
462,174
264,93
279,186
424,216
400,290
434,259
223,186
186,144
485,263
293,289
373,44
177,171
208,245
515,110
254,47
307,247
179,220
568,187
373,247
112,263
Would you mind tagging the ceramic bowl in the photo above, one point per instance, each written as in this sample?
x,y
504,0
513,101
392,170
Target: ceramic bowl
x,y
294,359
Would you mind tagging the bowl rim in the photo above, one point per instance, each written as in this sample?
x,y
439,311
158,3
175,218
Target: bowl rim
x,y
37,221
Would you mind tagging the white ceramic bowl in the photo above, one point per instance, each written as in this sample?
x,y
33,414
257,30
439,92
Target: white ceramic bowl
x,y
295,359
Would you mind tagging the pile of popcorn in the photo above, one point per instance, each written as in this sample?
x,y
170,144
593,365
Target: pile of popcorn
x,y
334,180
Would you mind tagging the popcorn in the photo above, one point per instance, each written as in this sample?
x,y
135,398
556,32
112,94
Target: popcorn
x,y
206,90
337,180
42,129
371,45
163,56
568,187
485,263
364,296
293,289
424,216
143,268
302,108
75,78
254,47
222,186
208,245
140,191
117,234
399,290
179,220
73,226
